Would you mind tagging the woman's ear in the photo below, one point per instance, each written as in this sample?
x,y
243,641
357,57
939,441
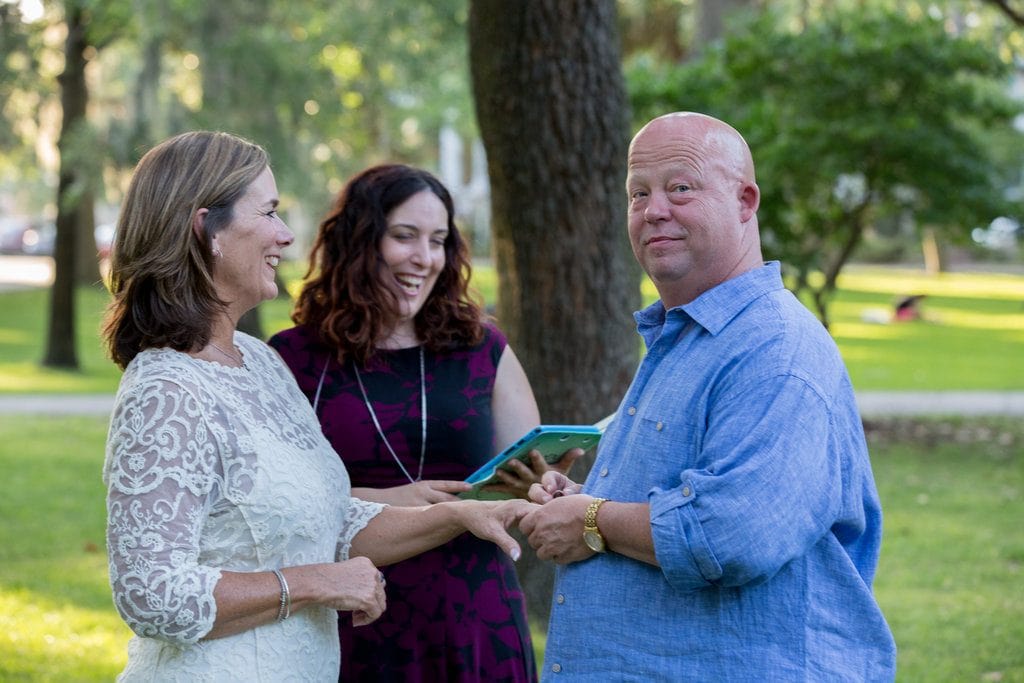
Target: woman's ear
x,y
199,224
199,228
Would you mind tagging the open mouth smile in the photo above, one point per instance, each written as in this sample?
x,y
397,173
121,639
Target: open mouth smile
x,y
410,284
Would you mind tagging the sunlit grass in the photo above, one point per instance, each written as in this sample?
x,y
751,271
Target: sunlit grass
x,y
57,621
46,639
893,281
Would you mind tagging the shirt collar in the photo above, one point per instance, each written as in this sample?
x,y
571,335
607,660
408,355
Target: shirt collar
x,y
713,309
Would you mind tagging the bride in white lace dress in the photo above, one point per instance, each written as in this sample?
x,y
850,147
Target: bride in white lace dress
x,y
232,535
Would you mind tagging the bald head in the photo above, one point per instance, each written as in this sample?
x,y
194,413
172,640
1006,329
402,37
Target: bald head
x,y
720,144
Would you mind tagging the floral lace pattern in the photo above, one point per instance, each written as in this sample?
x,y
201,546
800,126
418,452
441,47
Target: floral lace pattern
x,y
212,468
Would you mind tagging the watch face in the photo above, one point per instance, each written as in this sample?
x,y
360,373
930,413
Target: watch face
x,y
594,541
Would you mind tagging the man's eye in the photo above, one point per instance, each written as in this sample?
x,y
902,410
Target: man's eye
x,y
638,194
681,187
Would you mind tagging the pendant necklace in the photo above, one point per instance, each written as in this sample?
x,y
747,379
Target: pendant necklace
x,y
423,420
238,359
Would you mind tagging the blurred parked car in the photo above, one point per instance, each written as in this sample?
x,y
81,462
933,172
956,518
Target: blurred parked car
x,y
104,235
37,237
28,236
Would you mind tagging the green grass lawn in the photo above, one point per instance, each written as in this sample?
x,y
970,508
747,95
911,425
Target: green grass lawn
x,y
949,580
972,337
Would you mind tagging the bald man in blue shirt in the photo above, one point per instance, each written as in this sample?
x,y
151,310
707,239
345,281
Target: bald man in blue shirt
x,y
730,527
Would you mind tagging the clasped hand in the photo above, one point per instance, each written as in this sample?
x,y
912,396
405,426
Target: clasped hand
x,y
554,529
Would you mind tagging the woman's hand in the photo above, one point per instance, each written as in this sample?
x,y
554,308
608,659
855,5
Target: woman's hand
x,y
354,586
412,495
517,477
490,520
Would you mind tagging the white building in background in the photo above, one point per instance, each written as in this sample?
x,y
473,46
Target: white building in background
x,y
471,190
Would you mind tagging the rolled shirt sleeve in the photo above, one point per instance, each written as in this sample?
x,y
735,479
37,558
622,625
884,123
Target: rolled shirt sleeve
x,y
752,480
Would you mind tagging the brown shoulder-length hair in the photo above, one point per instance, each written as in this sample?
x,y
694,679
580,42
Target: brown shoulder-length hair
x,y
345,299
160,271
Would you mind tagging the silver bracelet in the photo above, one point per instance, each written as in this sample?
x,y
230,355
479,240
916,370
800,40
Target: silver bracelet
x,y
285,610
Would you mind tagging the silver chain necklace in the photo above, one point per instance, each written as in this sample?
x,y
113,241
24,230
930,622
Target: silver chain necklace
x,y
423,419
237,359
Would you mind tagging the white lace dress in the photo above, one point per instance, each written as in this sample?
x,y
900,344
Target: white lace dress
x,y
212,468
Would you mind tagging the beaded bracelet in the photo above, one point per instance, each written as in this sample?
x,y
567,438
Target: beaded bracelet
x,y
285,610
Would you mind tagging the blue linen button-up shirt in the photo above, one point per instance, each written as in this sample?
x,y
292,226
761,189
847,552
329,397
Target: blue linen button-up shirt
x,y
741,431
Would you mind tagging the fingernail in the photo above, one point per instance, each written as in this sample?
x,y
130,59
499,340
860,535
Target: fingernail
x,y
515,554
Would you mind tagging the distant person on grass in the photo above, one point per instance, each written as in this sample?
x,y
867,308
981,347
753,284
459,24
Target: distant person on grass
x,y
741,530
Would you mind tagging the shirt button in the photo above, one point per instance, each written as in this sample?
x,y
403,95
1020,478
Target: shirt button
x,y
556,667
632,410
659,426
686,491
604,471
560,598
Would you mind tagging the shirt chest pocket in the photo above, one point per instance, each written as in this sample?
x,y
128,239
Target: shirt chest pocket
x,y
660,447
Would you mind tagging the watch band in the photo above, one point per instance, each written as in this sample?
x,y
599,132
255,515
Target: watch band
x,y
590,516
591,534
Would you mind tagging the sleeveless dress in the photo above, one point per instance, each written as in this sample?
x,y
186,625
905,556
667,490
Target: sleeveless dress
x,y
455,613
211,468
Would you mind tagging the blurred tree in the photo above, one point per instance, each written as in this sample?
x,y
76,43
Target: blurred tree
x,y
87,30
552,110
1013,10
859,116
711,19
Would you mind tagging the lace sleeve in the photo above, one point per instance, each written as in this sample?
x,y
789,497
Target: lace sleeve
x,y
357,515
162,474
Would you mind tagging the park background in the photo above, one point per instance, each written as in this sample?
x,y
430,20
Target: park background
x,y
888,157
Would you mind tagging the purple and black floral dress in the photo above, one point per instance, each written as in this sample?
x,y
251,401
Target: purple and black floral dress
x,y
455,613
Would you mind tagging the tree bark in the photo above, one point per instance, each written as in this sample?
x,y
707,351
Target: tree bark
x,y
60,346
711,18
553,114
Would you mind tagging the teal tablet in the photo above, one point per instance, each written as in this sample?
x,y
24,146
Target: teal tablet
x,y
551,440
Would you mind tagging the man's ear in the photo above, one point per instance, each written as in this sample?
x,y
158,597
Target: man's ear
x,y
199,224
750,199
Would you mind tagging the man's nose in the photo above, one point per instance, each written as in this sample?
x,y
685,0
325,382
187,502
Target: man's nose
x,y
657,207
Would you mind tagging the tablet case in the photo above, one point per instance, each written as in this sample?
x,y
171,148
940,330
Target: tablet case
x,y
551,440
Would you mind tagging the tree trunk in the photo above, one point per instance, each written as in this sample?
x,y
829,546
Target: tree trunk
x,y
553,114
87,263
932,252
711,18
60,345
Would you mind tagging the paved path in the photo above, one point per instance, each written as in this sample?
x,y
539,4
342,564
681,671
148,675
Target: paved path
x,y
871,403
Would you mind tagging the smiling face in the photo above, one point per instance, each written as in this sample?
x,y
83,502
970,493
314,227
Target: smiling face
x,y
250,247
692,204
413,251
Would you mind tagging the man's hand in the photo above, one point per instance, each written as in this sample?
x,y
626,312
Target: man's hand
x,y
555,529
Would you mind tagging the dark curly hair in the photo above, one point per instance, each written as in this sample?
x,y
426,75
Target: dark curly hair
x,y
345,299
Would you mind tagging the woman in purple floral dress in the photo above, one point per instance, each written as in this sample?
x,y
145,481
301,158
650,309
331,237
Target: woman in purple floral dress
x,y
415,391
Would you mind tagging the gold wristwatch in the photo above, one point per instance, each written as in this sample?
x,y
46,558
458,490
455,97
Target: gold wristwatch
x,y
591,534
